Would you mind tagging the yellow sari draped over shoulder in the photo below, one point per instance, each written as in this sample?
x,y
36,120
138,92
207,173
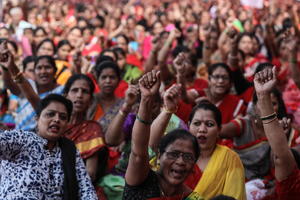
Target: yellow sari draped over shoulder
x,y
224,174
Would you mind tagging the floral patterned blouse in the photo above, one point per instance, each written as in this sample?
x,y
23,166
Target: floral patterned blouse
x,y
28,171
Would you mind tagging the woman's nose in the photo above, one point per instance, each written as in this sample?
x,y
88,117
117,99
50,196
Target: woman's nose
x,y
202,128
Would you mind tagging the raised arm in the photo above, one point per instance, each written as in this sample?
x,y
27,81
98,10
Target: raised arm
x,y
138,166
6,60
207,51
239,81
159,125
163,54
284,161
152,59
180,64
18,78
293,62
114,134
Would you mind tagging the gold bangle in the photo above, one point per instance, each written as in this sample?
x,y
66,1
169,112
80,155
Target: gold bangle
x,y
268,122
268,117
170,111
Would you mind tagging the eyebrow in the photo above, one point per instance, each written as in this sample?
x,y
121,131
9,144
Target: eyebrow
x,y
57,112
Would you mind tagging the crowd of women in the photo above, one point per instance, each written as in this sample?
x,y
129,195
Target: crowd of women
x,y
139,99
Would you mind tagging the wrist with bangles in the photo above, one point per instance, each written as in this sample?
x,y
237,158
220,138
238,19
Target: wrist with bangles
x,y
124,110
169,111
138,118
269,118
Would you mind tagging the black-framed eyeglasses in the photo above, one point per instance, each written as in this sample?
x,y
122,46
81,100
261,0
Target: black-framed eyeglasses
x,y
218,77
174,155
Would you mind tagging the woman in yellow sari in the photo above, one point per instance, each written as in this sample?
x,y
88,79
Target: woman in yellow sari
x,y
218,170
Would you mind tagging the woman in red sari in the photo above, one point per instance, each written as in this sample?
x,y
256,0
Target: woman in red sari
x,y
86,134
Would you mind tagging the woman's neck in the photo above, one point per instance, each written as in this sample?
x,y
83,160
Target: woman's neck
x,y
50,145
205,157
214,98
107,97
168,191
207,153
77,117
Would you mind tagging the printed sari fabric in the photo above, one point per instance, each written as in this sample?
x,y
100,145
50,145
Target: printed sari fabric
x,y
105,118
97,113
224,174
87,136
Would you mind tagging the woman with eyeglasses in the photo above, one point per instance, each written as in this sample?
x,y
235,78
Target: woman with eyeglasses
x,y
218,169
217,92
177,154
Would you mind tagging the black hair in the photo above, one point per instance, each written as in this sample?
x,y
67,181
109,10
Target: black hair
x,y
143,23
27,60
125,38
119,50
102,58
50,59
258,42
89,28
281,106
80,18
108,64
101,19
178,49
241,35
107,50
62,43
206,105
222,197
44,41
178,134
157,21
76,77
80,7
215,66
75,27
39,28
54,98
13,44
